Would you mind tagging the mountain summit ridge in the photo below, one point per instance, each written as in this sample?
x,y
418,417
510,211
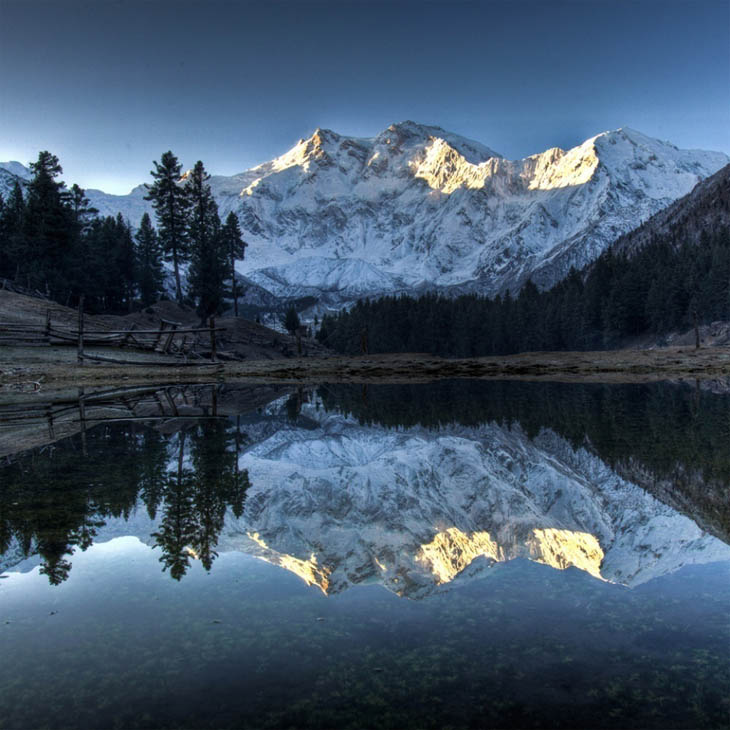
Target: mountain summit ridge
x,y
418,208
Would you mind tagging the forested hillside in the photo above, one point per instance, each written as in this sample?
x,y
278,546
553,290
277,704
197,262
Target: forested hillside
x,y
679,275
706,208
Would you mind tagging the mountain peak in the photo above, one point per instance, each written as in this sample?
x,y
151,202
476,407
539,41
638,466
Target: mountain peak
x,y
16,168
322,135
410,132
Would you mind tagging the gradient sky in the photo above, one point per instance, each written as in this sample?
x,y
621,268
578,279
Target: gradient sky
x,y
109,85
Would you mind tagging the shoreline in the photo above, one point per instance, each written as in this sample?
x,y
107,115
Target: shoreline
x,y
54,367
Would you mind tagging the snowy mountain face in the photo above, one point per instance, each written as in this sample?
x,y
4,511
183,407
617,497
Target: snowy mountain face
x,y
132,206
16,168
417,207
422,208
10,173
705,209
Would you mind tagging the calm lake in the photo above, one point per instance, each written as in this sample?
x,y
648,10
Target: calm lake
x,y
456,555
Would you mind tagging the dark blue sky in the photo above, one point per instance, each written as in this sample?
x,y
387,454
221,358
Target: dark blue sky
x,y
109,85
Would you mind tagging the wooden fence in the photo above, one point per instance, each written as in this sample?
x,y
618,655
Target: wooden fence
x,y
151,404
187,344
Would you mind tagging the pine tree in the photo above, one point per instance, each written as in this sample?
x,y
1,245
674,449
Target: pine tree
x,y
83,212
12,231
235,248
126,263
5,261
177,527
291,320
208,263
149,275
81,274
171,204
48,227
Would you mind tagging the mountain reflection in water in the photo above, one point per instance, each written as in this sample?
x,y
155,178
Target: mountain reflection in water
x,y
564,547
404,485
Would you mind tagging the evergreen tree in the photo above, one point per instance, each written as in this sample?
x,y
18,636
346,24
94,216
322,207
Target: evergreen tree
x,y
291,320
80,273
98,270
48,228
126,261
171,204
5,260
235,248
107,270
12,233
215,480
150,274
208,261
83,212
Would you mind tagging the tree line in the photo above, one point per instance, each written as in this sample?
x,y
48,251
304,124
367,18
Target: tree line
x,y
666,286
52,240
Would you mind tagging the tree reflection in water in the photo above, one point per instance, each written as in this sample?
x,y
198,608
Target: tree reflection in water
x,y
54,500
196,497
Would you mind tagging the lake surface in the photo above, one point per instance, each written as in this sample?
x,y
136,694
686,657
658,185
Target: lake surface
x,y
461,554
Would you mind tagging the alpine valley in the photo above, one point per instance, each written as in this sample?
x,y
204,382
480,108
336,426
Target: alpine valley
x,y
417,208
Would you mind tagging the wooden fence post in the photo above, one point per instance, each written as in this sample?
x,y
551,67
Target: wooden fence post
x,y
697,329
128,336
170,338
49,416
213,355
82,418
80,353
159,335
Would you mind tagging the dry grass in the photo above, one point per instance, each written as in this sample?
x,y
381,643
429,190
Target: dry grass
x,y
57,366
267,358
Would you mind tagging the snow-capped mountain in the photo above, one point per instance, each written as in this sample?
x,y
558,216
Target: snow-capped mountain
x,y
341,217
422,207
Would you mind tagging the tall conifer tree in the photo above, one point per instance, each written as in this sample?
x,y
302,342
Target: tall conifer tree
x,y
150,275
235,248
5,260
12,230
171,204
208,256
83,212
126,262
48,227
